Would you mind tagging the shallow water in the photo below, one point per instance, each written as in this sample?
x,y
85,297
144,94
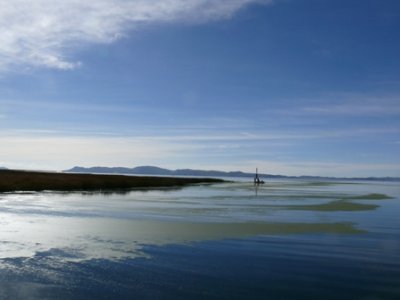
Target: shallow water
x,y
283,240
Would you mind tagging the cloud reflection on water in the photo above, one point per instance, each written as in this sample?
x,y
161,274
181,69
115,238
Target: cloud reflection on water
x,y
76,227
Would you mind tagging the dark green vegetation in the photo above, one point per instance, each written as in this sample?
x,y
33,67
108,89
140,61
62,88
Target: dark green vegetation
x,y
11,180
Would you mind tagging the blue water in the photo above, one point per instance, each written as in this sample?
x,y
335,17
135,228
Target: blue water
x,y
283,240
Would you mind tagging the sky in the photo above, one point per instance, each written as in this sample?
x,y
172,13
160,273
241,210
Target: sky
x,y
293,87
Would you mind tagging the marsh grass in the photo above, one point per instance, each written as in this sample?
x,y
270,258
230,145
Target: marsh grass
x,y
11,180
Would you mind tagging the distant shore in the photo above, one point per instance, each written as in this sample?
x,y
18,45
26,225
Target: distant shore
x,y
153,170
13,180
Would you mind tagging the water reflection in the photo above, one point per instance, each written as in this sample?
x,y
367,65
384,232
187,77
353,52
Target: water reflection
x,y
110,192
321,240
81,226
90,238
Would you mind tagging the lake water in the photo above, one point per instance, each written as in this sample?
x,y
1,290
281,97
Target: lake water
x,y
283,240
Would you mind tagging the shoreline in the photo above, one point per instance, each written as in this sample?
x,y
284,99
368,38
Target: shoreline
x,y
17,180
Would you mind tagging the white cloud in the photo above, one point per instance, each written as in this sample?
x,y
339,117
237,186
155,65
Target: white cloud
x,y
43,33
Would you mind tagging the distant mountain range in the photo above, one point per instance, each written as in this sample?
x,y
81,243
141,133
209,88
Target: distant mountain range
x,y
152,170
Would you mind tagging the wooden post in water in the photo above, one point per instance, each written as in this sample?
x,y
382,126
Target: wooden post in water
x,y
256,179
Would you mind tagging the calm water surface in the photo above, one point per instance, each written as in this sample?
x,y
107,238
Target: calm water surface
x,y
282,240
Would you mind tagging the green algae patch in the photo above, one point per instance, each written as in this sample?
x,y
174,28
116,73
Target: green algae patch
x,y
325,183
373,196
190,231
300,184
339,205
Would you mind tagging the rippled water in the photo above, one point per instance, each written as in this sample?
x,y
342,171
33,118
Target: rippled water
x,y
282,240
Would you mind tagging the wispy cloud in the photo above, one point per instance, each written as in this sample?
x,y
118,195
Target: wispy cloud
x,y
50,152
46,149
351,109
312,168
341,104
357,105
44,33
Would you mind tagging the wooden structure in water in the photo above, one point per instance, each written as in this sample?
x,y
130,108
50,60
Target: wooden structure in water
x,y
257,179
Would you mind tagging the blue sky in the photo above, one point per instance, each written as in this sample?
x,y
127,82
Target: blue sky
x,y
291,87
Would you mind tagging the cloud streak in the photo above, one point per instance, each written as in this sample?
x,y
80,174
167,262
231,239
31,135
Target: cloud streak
x,y
54,153
311,168
50,152
45,33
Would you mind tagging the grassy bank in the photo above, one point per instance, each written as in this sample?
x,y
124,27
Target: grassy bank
x,y
11,180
